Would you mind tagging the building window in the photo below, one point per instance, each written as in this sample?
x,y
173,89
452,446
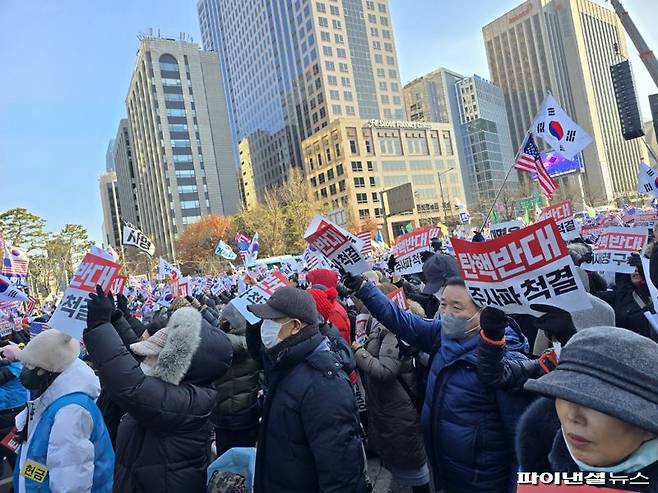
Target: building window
x,y
341,53
371,166
314,182
336,108
373,181
364,213
347,95
328,154
330,174
182,158
189,204
335,95
357,166
332,189
327,51
321,178
323,22
180,142
343,67
176,112
334,10
321,7
337,25
378,212
361,198
447,142
349,110
184,173
353,148
375,197
359,182
340,170
323,192
325,36
337,147
341,185
187,189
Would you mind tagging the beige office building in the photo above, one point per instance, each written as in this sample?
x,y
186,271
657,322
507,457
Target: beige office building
x,y
352,160
567,47
291,68
182,152
111,210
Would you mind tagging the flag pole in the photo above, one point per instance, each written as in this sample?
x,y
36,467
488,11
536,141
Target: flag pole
x,y
486,219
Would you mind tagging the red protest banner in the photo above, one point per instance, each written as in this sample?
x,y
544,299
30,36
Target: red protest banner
x,y
614,247
408,248
272,282
531,265
557,211
118,284
399,297
94,270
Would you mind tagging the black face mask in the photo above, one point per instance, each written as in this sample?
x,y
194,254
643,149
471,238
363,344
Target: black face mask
x,y
37,379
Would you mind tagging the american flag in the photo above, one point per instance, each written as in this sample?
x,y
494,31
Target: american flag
x,y
29,305
529,161
367,245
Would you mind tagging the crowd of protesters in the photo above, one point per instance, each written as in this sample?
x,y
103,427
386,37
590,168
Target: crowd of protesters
x,y
459,398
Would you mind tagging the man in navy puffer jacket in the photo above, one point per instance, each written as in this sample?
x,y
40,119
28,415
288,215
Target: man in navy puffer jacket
x,y
468,426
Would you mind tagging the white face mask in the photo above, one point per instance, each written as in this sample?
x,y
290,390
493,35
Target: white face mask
x,y
269,333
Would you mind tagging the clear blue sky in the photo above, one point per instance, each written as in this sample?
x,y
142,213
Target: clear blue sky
x,y
67,64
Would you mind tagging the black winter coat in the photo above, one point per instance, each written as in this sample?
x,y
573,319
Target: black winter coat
x,y
309,440
541,448
163,440
111,411
628,313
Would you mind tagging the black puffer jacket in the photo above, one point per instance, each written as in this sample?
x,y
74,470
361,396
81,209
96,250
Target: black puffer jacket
x,y
162,442
111,411
541,448
629,314
309,439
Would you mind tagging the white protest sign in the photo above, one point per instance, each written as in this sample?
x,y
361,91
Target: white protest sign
x,y
337,245
569,228
528,266
399,298
500,229
259,293
409,246
613,248
70,317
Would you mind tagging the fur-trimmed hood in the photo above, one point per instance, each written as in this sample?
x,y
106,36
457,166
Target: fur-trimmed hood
x,y
183,340
195,351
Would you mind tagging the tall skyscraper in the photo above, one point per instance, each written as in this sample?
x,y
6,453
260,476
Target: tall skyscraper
x,y
290,68
109,157
126,175
181,147
567,47
111,209
475,110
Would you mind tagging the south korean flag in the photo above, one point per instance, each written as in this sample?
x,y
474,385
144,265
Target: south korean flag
x,y
647,180
134,237
558,130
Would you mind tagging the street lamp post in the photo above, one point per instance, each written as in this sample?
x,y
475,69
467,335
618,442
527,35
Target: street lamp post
x,y
443,203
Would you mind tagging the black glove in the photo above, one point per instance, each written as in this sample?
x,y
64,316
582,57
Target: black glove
x,y
352,282
653,265
634,260
391,263
478,237
584,258
493,322
99,308
556,322
122,304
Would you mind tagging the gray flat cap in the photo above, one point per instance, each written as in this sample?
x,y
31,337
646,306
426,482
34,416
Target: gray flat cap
x,y
608,369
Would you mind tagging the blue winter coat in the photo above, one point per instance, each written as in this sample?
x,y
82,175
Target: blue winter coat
x,y
468,427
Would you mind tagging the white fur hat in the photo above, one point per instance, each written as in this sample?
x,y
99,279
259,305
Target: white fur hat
x,y
50,350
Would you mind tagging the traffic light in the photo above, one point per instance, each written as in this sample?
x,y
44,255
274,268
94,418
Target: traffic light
x,y
629,113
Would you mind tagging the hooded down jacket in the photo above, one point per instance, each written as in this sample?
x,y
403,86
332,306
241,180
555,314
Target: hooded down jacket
x,y
393,421
469,428
163,439
238,388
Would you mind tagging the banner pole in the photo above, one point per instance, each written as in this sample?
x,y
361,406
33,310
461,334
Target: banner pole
x,y
493,204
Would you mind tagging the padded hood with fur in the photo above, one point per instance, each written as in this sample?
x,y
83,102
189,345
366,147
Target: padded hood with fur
x,y
195,352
